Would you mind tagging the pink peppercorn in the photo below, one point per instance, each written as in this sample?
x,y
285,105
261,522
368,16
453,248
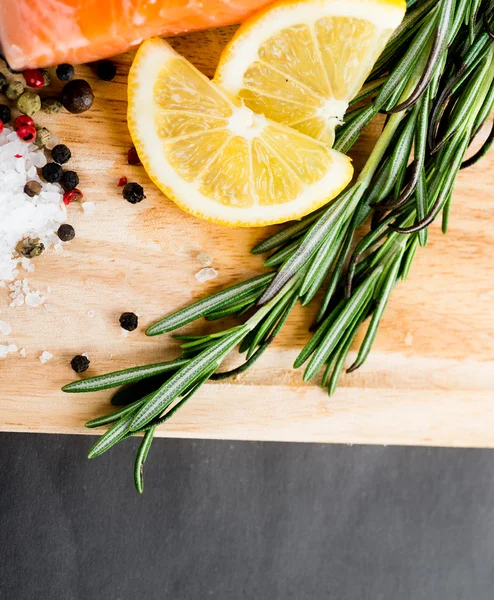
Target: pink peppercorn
x,y
132,157
34,78
27,133
122,181
71,195
23,121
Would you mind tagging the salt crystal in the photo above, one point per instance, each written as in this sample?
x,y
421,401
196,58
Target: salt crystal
x,y
22,352
21,216
37,159
7,349
33,299
5,328
85,354
88,208
48,307
17,301
52,142
45,356
125,333
206,274
90,313
26,263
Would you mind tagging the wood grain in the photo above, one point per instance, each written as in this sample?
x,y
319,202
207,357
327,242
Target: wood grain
x,y
430,378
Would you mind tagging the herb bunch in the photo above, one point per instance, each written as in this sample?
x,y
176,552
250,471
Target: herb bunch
x,y
435,83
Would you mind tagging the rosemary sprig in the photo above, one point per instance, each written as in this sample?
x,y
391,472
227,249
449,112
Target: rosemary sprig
x,y
435,79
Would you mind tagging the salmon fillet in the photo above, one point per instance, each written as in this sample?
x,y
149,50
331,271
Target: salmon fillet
x,y
42,33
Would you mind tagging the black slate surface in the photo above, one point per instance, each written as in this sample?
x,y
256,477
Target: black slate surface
x,y
238,520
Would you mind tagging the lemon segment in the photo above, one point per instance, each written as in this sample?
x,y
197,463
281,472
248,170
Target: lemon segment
x,y
216,158
301,62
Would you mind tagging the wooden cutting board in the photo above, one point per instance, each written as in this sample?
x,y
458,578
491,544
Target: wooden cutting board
x,y
429,380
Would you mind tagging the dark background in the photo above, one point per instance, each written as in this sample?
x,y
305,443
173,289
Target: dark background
x,y
234,520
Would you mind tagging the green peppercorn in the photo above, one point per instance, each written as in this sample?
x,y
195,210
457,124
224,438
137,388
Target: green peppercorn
x,y
43,136
3,83
14,89
32,248
77,96
29,103
51,105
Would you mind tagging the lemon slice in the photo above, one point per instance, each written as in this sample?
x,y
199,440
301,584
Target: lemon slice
x,y
217,159
301,62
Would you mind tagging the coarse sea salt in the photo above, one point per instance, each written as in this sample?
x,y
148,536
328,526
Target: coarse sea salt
x,y
88,208
5,328
21,295
45,356
206,274
23,217
7,349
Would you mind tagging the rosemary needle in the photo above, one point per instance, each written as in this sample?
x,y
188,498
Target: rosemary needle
x,y
436,78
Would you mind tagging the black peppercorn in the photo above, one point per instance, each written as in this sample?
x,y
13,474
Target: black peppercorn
x,y
106,70
52,172
61,154
5,114
65,72
77,96
79,363
32,188
70,180
133,193
66,232
128,321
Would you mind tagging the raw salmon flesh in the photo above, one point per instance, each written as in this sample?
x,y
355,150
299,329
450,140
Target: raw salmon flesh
x,y
42,33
